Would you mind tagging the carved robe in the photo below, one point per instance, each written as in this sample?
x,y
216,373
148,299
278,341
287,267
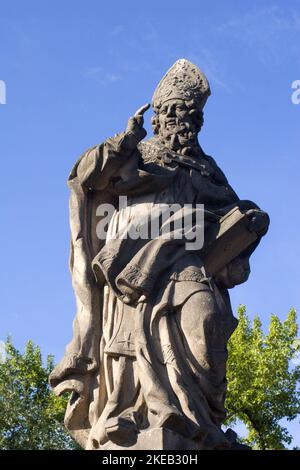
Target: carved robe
x,y
136,361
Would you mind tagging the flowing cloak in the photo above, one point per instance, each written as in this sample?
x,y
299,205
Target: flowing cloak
x,y
133,269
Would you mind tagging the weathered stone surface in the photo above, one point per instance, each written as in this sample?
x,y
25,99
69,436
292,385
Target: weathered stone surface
x,y
157,439
147,362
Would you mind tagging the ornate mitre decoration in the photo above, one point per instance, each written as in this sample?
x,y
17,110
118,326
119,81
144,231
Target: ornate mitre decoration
x,y
185,81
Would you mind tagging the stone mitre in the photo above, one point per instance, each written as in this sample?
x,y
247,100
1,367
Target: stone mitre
x,y
184,81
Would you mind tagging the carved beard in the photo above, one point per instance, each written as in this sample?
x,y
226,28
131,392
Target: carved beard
x,y
180,137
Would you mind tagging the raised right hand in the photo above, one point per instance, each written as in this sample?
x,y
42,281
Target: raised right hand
x,y
136,123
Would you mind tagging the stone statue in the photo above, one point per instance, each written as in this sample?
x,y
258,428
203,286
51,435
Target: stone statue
x,y
147,362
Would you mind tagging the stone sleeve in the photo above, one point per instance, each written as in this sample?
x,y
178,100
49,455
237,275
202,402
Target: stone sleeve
x,y
99,164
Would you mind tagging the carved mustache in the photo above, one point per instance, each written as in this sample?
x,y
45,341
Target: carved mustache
x,y
180,124
182,129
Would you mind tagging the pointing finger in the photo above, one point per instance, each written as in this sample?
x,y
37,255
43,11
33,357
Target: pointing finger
x,y
142,110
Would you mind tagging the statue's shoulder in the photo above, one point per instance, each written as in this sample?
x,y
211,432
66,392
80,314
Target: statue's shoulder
x,y
219,175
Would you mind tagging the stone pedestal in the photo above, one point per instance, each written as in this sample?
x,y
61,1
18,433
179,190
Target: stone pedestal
x,y
156,439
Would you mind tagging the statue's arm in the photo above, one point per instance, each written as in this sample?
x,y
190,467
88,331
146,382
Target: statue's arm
x,y
106,159
238,270
259,219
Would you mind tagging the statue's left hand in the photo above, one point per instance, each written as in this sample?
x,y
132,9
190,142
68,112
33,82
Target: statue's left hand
x,y
136,123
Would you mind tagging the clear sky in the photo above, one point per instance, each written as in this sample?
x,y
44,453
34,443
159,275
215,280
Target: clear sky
x,y
75,71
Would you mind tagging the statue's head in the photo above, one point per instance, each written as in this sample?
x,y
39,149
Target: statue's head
x,y
178,103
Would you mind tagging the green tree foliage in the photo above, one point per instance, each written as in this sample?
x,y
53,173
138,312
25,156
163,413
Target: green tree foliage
x,y
31,416
262,379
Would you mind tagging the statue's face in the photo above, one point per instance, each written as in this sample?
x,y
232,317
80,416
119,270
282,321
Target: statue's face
x,y
174,117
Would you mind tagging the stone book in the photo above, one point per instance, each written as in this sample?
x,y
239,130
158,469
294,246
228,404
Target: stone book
x,y
228,239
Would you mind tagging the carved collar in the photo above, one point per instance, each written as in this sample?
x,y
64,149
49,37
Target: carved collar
x,y
153,151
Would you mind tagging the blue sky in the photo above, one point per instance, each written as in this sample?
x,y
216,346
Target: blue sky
x,y
74,73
